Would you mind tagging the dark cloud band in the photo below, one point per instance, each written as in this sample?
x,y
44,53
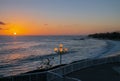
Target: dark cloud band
x,y
2,23
3,29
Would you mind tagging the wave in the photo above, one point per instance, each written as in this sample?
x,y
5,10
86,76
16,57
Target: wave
x,y
32,58
10,48
109,46
27,55
9,51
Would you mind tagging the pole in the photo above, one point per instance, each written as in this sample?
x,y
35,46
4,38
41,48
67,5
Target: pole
x,y
60,59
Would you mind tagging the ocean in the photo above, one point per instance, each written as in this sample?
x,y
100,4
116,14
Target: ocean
x,y
20,54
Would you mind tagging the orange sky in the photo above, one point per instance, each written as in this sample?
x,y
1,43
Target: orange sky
x,y
77,17
27,25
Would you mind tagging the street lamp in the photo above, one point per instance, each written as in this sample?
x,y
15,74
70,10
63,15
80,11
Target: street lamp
x,y
60,51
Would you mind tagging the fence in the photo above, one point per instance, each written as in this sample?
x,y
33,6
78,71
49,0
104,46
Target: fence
x,y
58,73
41,76
63,70
51,76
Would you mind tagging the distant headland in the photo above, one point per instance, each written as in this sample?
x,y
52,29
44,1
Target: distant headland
x,y
107,35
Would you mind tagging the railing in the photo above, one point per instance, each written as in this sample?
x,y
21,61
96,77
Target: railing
x,y
41,76
51,76
58,74
63,70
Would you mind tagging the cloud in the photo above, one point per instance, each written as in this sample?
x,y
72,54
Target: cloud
x,y
3,29
2,23
45,24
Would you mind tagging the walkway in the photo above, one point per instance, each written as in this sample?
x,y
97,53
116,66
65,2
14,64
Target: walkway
x,y
104,72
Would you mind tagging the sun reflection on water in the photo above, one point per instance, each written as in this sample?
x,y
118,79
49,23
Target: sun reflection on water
x,y
15,57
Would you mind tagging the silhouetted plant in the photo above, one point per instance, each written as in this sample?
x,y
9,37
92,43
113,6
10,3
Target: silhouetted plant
x,y
46,63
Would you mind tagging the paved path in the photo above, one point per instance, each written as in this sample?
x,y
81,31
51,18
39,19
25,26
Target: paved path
x,y
104,72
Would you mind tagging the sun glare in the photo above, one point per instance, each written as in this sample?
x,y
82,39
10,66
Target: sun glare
x,y
14,33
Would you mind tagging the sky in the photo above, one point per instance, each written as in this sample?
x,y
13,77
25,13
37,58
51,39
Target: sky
x,y
59,17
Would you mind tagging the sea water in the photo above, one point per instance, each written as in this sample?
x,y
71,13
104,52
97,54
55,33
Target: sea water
x,y
19,54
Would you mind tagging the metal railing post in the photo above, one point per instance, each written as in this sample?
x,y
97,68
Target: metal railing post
x,y
12,78
29,77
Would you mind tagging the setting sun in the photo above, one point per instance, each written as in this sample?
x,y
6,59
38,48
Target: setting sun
x,y
14,33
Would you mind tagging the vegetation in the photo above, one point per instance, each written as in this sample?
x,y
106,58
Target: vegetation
x,y
46,63
108,35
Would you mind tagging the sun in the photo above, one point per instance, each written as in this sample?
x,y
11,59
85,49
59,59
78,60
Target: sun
x,y
14,33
